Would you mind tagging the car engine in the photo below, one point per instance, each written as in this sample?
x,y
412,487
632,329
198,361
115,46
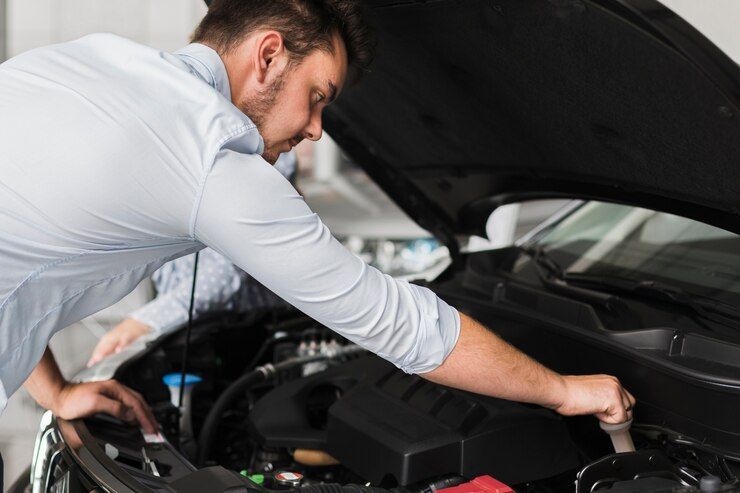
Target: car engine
x,y
286,403
392,428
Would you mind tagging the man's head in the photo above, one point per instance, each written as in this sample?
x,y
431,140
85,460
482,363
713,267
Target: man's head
x,y
286,60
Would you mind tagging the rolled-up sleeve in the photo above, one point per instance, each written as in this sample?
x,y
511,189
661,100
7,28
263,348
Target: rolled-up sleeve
x,y
253,216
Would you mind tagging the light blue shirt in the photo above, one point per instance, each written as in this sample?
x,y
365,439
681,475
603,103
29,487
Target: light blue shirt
x,y
220,286
116,158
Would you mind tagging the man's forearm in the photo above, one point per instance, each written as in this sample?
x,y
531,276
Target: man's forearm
x,y
484,363
46,381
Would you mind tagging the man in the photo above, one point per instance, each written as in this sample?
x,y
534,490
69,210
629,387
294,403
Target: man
x,y
220,286
117,158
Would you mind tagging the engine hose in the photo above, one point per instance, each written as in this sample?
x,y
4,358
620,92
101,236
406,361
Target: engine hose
x,y
239,386
339,488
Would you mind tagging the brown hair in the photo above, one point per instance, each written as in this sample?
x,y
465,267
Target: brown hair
x,y
305,25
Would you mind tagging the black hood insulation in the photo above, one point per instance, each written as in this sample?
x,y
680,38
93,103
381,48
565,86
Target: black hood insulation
x,y
473,104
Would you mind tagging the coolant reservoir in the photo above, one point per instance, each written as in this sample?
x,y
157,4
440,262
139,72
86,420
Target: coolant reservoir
x,y
620,435
172,381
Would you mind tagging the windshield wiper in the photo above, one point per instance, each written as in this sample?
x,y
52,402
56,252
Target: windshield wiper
x,y
707,308
600,289
553,277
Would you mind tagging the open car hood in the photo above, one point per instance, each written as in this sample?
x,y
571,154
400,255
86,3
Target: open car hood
x,y
472,104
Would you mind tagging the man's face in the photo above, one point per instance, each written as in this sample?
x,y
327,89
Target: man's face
x,y
289,108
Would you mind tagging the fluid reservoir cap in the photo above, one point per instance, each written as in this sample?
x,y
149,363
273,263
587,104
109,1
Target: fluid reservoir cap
x,y
174,379
288,478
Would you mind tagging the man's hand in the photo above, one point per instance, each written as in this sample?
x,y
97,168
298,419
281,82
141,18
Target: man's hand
x,y
110,397
66,400
600,395
484,363
118,338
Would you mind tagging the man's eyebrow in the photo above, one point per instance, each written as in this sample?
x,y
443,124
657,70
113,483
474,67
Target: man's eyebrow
x,y
332,91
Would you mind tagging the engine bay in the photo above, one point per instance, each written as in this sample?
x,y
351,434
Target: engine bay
x,y
310,409
392,428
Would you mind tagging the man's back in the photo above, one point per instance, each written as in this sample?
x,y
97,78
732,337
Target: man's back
x,y
103,148
140,157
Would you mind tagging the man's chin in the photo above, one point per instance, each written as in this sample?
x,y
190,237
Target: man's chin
x,y
270,156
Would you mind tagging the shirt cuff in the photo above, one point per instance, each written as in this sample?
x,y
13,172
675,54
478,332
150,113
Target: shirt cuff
x,y
437,336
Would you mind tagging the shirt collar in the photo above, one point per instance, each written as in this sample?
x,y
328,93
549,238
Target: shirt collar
x,y
205,63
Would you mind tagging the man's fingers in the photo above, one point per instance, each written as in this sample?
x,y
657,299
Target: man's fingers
x,y
614,415
86,399
600,395
618,408
629,403
114,408
626,402
630,398
136,403
145,407
619,413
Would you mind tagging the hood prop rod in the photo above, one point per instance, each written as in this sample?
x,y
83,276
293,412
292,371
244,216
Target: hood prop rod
x,y
188,330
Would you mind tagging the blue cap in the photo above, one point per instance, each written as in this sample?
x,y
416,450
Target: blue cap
x,y
174,379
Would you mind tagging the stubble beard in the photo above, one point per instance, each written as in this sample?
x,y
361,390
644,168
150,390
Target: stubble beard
x,y
257,109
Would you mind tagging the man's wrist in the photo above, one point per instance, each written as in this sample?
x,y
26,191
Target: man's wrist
x,y
57,396
557,394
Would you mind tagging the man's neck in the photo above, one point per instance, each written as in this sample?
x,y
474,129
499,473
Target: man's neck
x,y
207,64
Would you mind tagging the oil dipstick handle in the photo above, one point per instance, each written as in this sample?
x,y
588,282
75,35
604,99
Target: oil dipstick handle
x,y
620,435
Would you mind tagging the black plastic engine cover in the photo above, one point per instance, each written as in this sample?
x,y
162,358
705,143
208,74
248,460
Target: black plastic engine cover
x,y
378,421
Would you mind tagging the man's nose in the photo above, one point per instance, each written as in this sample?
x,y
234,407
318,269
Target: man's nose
x,y
313,130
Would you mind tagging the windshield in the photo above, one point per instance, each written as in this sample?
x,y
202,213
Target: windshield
x,y
628,242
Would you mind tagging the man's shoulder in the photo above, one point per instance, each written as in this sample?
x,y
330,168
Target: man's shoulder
x,y
106,38
106,44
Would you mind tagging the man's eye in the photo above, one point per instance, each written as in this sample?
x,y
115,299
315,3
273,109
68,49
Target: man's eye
x,y
319,97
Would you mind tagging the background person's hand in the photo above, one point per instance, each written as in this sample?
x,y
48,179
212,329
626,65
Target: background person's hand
x,y
78,400
600,395
118,338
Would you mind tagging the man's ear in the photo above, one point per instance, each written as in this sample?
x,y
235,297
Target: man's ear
x,y
271,55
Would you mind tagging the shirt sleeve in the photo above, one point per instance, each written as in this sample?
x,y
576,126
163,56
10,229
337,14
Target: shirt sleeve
x,y
218,281
251,214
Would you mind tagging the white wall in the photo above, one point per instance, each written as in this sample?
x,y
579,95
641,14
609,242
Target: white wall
x,y
716,19
3,37
164,24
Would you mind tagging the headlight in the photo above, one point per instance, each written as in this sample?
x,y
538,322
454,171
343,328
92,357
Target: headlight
x,y
45,449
